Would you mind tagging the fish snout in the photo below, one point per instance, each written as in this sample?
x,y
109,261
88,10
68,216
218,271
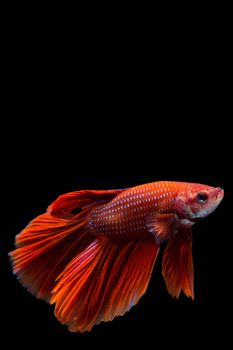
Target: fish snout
x,y
219,192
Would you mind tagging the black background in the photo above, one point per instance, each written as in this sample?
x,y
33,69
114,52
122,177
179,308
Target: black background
x,y
111,118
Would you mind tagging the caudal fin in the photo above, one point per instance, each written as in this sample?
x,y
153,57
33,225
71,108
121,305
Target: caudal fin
x,y
50,241
90,279
103,281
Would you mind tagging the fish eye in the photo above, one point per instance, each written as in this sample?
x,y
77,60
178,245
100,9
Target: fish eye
x,y
202,197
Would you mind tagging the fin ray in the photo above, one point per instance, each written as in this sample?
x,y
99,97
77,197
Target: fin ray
x,y
177,265
161,226
37,262
110,283
67,204
50,241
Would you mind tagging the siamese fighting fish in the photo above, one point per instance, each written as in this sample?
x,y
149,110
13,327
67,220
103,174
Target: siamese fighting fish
x,y
92,253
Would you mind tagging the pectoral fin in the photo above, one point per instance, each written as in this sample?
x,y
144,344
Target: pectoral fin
x,y
162,226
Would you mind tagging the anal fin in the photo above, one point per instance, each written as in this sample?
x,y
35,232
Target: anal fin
x,y
104,281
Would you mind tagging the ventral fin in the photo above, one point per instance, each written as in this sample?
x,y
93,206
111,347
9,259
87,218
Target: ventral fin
x,y
161,226
177,266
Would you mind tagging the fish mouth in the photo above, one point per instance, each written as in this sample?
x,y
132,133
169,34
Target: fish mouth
x,y
217,197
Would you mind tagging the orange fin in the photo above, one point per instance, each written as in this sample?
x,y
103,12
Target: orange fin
x,y
67,204
161,225
177,266
44,248
103,281
50,241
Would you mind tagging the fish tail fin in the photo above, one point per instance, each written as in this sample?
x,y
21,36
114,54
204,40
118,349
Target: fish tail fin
x,y
50,241
103,281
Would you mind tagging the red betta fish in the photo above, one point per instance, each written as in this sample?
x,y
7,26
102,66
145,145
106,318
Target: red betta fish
x,y
92,253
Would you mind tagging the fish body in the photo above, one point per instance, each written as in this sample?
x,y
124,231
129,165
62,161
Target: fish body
x,y
127,215
96,263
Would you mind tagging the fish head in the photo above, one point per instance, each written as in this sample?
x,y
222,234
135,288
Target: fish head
x,y
197,202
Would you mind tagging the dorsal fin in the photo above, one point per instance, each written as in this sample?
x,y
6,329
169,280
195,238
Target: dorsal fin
x,y
67,204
